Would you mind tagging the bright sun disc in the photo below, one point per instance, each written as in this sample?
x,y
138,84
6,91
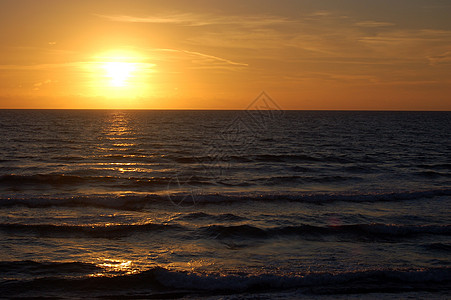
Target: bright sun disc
x,y
119,72
120,76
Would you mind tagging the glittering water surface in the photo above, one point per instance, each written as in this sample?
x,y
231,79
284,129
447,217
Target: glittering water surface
x,y
211,203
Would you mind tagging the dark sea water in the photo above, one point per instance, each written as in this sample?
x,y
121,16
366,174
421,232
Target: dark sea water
x,y
225,204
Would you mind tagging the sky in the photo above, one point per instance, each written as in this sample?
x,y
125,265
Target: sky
x,y
305,54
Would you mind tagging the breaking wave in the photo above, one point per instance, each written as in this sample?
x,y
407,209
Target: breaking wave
x,y
173,284
136,201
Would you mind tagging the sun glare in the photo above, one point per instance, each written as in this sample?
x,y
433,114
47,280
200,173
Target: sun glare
x,y
121,75
119,72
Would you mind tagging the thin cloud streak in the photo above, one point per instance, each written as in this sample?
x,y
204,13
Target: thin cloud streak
x,y
41,66
374,24
214,58
80,64
202,20
207,57
444,58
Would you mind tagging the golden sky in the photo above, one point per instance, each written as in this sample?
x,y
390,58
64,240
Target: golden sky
x,y
306,54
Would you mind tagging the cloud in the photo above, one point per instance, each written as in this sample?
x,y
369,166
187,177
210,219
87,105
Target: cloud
x,y
410,45
402,36
38,85
194,59
313,37
42,83
186,19
444,58
374,24
180,19
203,60
214,58
39,66
333,77
321,13
322,41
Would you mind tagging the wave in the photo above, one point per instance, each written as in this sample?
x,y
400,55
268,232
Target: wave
x,y
205,216
34,268
442,247
259,158
61,180
174,284
278,180
136,201
68,158
297,158
361,231
359,169
284,158
17,180
433,174
444,166
91,230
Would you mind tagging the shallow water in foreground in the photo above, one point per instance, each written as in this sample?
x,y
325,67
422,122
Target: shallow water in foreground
x,y
225,204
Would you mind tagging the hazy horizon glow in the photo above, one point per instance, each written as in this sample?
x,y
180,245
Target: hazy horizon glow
x,y
352,54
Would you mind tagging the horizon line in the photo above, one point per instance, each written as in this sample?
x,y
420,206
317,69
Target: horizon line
x,y
209,109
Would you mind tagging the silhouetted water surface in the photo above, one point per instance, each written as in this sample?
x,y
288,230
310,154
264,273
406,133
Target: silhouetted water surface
x,y
233,203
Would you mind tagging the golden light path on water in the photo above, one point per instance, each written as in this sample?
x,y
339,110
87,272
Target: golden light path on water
x,y
120,154
120,135
114,266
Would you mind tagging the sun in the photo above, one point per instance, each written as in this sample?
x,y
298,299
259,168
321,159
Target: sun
x,y
120,73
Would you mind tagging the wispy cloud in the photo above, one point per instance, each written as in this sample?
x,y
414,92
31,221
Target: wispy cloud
x,y
402,36
415,45
194,59
444,58
41,83
322,41
187,19
332,77
374,24
197,59
38,85
214,58
180,19
321,13
41,66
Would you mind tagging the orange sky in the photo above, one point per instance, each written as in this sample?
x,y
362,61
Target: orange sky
x,y
323,54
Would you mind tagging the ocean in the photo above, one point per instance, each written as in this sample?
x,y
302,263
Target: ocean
x,y
253,204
